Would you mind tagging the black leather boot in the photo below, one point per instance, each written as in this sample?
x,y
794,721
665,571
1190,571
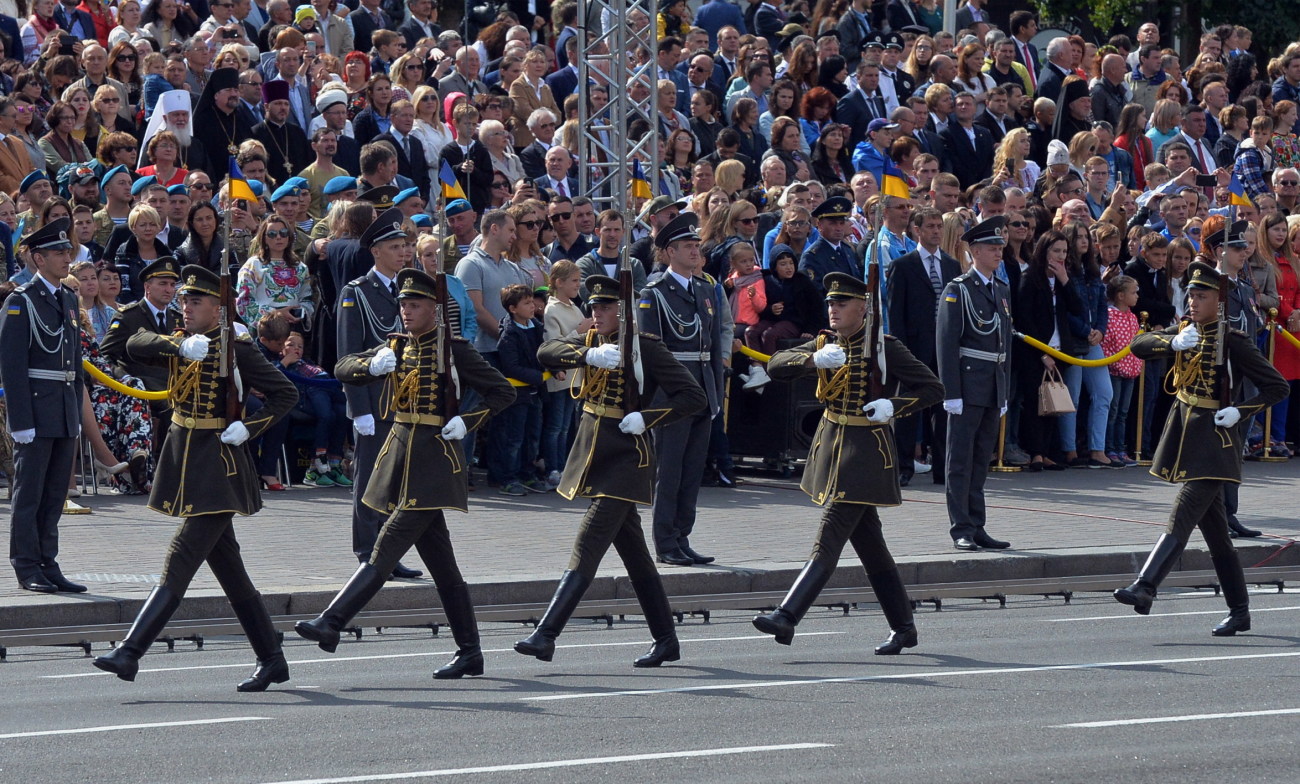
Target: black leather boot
x,y
324,630
1236,530
459,609
541,643
124,660
1142,592
780,623
1233,582
659,617
271,666
897,607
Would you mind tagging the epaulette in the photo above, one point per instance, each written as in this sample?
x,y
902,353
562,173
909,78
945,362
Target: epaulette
x,y
129,306
656,281
890,337
708,279
650,336
830,333
458,339
244,337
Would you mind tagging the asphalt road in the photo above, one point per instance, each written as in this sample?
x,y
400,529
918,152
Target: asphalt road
x,y
1037,692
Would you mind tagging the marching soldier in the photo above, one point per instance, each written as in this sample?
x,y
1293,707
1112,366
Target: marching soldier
x,y
612,463
853,464
1201,445
421,469
974,349
40,364
206,476
681,305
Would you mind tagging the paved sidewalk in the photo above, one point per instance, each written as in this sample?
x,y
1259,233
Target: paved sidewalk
x,y
299,547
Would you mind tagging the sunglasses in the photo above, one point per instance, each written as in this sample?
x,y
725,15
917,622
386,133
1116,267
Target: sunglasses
x,y
413,66
797,223
126,57
110,100
747,221
282,233
493,106
1288,183
201,186
1019,224
1194,230
562,216
500,184
529,224
25,109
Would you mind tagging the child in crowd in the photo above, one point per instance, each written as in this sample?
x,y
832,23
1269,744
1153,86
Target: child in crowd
x,y
521,424
748,296
321,397
1122,291
563,318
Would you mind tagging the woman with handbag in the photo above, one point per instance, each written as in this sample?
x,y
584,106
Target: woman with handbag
x,y
1083,340
1047,297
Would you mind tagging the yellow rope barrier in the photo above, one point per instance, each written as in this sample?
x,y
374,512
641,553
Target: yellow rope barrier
x,y
118,386
758,355
1069,360
514,382
1292,338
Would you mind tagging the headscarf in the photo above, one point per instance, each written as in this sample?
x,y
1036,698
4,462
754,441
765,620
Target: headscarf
x,y
449,103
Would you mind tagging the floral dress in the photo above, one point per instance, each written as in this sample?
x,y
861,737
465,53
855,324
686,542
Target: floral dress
x,y
124,421
263,287
1286,151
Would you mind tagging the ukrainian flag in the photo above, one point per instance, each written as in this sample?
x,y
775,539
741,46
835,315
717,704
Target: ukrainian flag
x,y
640,185
1237,193
239,188
450,185
894,182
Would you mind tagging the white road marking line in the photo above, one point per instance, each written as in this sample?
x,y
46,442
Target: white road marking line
x,y
1167,719
920,675
570,763
332,659
116,727
1132,615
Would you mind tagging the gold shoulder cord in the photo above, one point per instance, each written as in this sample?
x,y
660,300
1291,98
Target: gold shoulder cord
x,y
831,386
187,382
1187,371
594,379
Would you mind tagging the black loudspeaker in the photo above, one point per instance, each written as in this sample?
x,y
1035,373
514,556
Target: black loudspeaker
x,y
778,422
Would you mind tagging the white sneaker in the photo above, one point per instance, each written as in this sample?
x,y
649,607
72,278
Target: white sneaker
x,y
757,378
920,468
553,479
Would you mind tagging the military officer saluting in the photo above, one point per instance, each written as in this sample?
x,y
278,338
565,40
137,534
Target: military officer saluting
x,y
682,306
422,469
853,465
974,349
40,367
1201,445
205,474
612,463
830,253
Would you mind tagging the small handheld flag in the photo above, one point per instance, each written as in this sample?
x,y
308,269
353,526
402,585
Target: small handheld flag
x,y
1237,193
894,182
450,185
640,185
239,188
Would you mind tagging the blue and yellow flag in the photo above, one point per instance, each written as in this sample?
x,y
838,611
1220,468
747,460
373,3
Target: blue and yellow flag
x,y
450,185
894,182
239,188
640,185
1237,193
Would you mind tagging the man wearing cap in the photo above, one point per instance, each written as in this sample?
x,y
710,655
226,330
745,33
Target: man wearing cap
x,y
289,202
861,106
681,305
422,469
115,185
178,209
38,189
409,202
82,182
973,346
217,124
333,108
970,146
852,467
205,474
287,149
322,171
872,153
658,212
151,313
895,83
613,463
830,253
1201,446
40,362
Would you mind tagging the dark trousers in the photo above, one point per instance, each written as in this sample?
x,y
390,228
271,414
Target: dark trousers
x,y
427,530
366,522
907,432
972,436
208,538
328,409
859,525
518,433
40,486
1199,504
612,521
1036,431
681,449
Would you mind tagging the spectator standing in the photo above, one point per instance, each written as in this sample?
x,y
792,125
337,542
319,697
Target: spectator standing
x,y
520,425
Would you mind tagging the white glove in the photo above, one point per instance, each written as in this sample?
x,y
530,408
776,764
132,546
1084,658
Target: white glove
x,y
364,425
383,362
234,434
455,429
195,347
879,410
1186,339
954,407
1003,412
606,356
1227,417
24,436
829,357
633,424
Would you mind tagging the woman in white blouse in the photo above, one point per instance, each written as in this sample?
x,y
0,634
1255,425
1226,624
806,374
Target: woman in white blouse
x,y
429,128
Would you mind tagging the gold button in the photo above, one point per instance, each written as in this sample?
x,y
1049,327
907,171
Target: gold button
x,y
415,419
600,410
189,422
842,419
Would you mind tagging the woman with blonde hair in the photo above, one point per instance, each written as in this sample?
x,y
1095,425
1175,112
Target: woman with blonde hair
x,y
1011,164
531,92
527,250
730,177
1082,147
954,225
918,61
1165,118
429,127
408,75
129,14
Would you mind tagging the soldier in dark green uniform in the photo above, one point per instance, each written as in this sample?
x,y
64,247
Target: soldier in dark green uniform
x,y
1201,445
421,469
206,476
853,464
612,463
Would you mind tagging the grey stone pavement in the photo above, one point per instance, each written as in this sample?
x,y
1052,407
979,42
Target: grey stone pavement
x,y
1077,521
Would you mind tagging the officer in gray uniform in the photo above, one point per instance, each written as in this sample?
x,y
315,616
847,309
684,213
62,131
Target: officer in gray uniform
x,y
40,367
367,315
973,343
681,305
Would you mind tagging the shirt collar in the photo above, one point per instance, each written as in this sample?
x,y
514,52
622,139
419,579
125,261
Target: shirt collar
x,y
685,282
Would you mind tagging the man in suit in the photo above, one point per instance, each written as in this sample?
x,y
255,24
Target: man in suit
x,y
972,14
541,123
557,181
1052,79
410,151
854,27
564,82
666,57
715,15
861,106
830,253
902,13
287,63
421,22
365,21
726,58
916,281
465,78
995,118
701,69
288,151
1024,26
251,107
915,115
768,21
40,361
335,29
970,147
76,21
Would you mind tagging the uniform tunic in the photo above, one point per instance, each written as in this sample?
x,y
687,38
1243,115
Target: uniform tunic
x,y
130,320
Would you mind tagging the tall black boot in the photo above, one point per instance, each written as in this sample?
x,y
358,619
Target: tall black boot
x,y
324,630
1233,582
897,607
1142,592
459,609
1237,530
541,643
271,666
124,660
659,617
780,623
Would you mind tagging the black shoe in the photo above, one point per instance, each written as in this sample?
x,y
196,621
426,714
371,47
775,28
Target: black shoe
x,y
37,583
984,540
459,609
273,670
124,660
541,643
63,584
265,641
324,629
777,623
1236,529
464,663
965,543
1235,622
676,558
406,572
807,587
696,557
904,479
1139,596
666,650
898,640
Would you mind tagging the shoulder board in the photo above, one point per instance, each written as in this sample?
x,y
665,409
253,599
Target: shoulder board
x,y
830,333
130,306
708,278
650,336
244,337
458,339
656,281
890,338
357,282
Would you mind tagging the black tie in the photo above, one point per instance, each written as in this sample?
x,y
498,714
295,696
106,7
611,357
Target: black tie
x,y
392,286
162,322
935,281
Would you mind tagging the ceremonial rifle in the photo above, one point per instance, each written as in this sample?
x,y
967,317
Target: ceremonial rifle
x,y
226,369
629,347
448,383
1223,389
876,363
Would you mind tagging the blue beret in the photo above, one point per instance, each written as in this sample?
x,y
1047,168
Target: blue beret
x,y
179,189
294,186
31,179
257,187
456,207
422,219
142,183
404,195
108,175
337,185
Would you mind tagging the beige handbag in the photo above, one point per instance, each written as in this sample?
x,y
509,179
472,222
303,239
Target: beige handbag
x,y
1054,395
